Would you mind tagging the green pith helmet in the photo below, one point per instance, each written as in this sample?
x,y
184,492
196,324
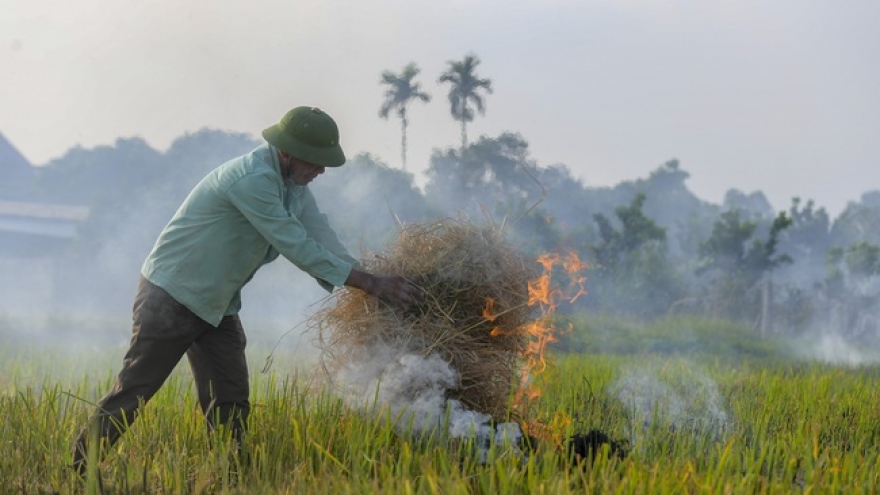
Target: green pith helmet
x,y
309,134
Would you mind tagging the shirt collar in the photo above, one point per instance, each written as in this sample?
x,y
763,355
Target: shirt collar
x,y
273,154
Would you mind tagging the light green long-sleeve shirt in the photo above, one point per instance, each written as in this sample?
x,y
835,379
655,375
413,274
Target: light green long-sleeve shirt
x,y
238,218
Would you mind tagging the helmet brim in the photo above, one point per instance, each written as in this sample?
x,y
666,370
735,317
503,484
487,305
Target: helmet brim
x,y
331,156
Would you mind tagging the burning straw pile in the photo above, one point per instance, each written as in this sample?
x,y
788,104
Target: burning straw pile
x,y
473,317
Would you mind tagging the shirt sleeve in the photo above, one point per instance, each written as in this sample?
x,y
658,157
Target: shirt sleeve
x,y
258,199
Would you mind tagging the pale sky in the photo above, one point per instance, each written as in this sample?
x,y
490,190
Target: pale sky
x,y
781,96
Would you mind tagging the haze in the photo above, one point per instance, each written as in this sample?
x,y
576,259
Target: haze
x,y
774,96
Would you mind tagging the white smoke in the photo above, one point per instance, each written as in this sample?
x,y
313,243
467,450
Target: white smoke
x,y
836,349
26,290
410,386
412,390
846,329
682,400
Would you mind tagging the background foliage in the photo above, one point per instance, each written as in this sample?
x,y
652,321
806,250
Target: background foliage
x,y
653,246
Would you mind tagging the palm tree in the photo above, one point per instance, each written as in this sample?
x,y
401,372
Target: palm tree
x,y
465,89
401,91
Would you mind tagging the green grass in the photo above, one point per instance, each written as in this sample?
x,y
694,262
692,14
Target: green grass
x,y
670,336
791,427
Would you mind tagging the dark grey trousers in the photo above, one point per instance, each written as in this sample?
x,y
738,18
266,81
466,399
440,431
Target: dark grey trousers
x,y
163,330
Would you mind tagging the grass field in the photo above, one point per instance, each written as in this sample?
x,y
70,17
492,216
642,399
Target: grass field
x,y
724,412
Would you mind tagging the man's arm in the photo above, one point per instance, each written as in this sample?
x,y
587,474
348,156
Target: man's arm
x,y
394,290
391,289
258,200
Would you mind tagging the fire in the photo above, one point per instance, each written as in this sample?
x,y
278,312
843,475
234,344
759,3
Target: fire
x,y
554,429
489,311
544,295
574,267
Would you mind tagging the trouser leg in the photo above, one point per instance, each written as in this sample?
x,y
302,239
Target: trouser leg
x,y
162,331
220,369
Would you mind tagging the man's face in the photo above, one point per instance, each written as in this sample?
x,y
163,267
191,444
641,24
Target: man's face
x,y
301,172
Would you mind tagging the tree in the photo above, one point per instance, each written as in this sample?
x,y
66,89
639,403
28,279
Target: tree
x,y
401,91
637,230
741,260
495,179
686,218
465,91
633,273
852,269
807,241
488,173
104,175
859,221
726,249
849,299
754,205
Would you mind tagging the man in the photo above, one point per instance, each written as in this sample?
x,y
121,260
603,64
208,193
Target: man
x,y
241,216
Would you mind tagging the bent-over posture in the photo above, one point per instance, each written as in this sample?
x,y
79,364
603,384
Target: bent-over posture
x,y
241,216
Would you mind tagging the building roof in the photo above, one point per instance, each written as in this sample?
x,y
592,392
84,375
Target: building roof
x,y
47,211
11,160
45,219
16,175
22,219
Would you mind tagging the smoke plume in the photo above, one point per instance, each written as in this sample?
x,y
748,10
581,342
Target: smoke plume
x,y
681,399
411,389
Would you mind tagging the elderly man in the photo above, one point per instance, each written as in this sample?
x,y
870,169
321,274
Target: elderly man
x,y
241,216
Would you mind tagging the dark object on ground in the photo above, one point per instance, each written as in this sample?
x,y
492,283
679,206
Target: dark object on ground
x,y
528,443
583,446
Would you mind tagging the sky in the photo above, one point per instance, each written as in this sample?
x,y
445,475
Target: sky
x,y
781,97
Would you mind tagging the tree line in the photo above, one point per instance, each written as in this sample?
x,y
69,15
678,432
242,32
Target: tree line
x,y
654,247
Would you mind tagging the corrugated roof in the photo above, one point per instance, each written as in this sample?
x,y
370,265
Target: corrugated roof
x,y
37,226
47,211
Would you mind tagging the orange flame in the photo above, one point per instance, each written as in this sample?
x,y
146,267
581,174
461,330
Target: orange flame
x,y
573,267
553,430
490,315
543,296
489,311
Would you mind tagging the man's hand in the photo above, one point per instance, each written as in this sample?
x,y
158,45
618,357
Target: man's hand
x,y
391,289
